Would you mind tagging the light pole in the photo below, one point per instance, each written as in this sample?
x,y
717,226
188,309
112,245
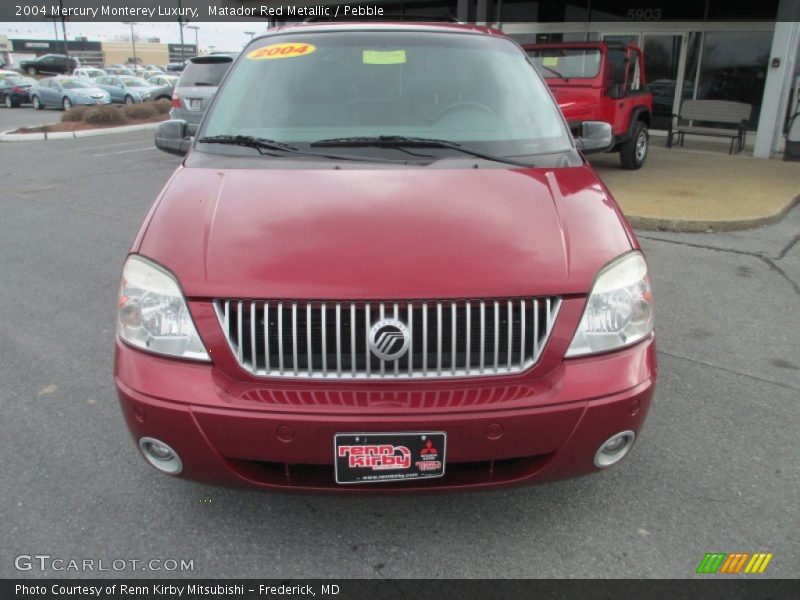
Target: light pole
x,y
196,41
180,25
64,30
55,31
133,40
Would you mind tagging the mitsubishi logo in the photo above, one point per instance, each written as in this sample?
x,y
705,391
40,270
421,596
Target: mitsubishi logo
x,y
388,339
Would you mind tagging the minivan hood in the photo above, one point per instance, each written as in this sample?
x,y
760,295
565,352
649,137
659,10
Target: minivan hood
x,y
388,233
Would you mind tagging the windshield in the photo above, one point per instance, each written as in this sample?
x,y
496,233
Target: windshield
x,y
134,82
473,90
72,84
566,62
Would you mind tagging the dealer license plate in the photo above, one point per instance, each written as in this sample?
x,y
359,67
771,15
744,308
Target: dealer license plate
x,y
379,457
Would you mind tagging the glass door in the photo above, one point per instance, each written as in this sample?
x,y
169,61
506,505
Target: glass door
x,y
664,59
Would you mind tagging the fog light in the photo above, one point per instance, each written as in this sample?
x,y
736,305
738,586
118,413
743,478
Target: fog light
x,y
614,449
160,455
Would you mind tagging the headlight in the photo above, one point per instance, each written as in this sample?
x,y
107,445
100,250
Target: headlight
x,y
152,313
619,310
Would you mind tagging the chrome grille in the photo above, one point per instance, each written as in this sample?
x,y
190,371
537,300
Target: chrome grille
x,y
330,340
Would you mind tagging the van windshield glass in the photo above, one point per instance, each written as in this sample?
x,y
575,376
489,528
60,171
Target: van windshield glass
x,y
474,90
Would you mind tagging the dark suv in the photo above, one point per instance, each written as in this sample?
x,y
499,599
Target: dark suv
x,y
50,63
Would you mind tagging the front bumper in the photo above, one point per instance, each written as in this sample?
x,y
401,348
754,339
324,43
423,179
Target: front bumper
x,y
88,101
501,431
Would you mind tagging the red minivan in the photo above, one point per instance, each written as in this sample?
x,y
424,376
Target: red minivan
x,y
384,265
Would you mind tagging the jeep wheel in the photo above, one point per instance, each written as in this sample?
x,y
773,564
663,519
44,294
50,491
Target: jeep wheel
x,y
633,153
128,100
66,103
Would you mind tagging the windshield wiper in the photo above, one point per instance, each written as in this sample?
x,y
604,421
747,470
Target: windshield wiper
x,y
266,146
554,72
249,141
204,83
400,141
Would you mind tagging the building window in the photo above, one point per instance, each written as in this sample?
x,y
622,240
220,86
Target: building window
x,y
734,67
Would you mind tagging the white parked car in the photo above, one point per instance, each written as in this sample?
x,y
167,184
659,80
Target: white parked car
x,y
91,73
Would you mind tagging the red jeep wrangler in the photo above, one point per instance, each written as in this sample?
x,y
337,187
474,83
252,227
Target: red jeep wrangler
x,y
600,81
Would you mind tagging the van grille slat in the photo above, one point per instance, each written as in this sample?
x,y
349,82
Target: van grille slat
x,y
330,340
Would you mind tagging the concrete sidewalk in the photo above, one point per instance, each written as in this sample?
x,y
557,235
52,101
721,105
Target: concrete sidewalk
x,y
701,190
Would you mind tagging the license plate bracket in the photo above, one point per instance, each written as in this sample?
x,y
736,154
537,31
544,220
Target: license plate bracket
x,y
387,456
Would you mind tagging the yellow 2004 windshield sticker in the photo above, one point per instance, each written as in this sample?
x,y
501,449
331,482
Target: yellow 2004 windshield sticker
x,y
384,57
285,50
550,61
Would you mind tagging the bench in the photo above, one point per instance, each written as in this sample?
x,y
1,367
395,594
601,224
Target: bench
x,y
733,114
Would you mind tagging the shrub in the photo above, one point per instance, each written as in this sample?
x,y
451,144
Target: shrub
x,y
105,115
163,106
74,114
140,111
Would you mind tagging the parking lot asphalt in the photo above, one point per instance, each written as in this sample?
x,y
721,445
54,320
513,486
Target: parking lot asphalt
x,y
716,469
26,116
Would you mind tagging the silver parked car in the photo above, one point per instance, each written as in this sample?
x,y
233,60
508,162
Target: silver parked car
x,y
124,88
90,73
66,92
197,86
164,87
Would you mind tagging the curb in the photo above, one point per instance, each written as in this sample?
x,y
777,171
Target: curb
x,y
9,136
679,225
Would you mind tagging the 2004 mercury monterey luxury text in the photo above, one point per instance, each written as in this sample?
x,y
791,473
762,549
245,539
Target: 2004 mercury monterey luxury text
x,y
384,265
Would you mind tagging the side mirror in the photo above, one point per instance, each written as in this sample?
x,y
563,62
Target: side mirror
x,y
596,136
173,137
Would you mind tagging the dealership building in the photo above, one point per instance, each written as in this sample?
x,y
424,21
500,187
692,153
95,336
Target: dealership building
x,y
738,50
93,53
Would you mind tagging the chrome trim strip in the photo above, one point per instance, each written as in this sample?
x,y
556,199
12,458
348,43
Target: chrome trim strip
x,y
424,338
410,351
353,337
280,336
467,365
266,337
510,332
522,333
439,338
308,340
496,333
240,345
294,336
254,361
536,326
453,345
338,339
324,312
483,334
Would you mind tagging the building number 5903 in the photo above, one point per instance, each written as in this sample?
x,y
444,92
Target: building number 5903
x,y
644,14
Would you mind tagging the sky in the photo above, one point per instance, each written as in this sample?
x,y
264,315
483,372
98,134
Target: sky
x,y
223,36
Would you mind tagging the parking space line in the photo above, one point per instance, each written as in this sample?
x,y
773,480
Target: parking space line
x,y
126,151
